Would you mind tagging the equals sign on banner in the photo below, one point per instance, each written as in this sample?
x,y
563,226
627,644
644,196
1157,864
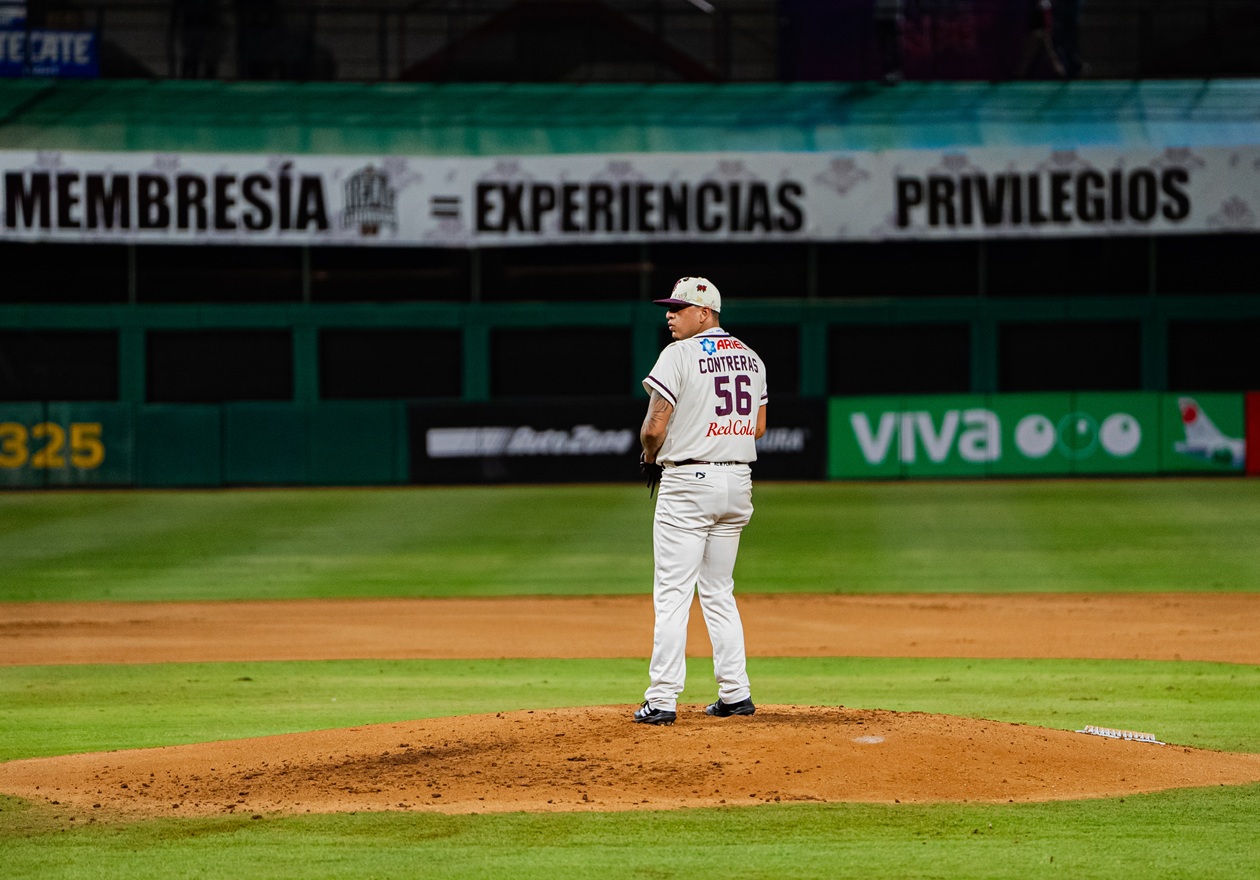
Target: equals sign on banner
x,y
444,206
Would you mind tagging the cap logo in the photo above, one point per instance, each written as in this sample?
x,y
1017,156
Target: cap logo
x,y
691,290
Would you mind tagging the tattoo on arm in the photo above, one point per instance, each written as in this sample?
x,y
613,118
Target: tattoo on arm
x,y
652,433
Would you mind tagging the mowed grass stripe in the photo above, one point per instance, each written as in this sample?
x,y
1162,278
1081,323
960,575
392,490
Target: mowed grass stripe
x,y
318,543
53,710
998,536
987,536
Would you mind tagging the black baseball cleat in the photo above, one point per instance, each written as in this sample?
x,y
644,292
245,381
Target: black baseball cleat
x,y
647,714
725,710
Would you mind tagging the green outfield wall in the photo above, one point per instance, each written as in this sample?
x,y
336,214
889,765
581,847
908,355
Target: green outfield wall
x,y
235,444
63,444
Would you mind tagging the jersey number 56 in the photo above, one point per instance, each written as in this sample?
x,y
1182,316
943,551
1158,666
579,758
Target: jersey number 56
x,y
740,401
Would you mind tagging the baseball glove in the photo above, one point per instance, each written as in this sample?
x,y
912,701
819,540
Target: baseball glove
x,y
651,472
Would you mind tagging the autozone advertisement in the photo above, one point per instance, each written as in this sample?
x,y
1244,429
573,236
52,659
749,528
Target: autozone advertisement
x,y
635,197
1050,434
583,441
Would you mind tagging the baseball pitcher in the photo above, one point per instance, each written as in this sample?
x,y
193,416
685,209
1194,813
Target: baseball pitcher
x,y
707,409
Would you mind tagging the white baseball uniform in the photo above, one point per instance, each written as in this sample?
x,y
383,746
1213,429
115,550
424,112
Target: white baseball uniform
x,y
716,385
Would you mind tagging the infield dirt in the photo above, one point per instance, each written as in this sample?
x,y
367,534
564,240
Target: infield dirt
x,y
593,758
1149,626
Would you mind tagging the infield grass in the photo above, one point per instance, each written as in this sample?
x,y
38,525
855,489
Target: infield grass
x,y
1062,536
62,709
986,536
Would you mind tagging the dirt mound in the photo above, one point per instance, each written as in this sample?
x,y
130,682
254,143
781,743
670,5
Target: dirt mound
x,y
595,759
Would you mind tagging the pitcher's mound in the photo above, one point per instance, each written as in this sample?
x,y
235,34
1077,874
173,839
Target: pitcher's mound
x,y
596,759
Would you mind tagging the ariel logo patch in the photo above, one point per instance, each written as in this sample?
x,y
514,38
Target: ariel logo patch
x,y
708,345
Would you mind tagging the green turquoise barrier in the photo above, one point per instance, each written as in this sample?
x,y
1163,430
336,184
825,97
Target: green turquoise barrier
x,y
18,447
64,444
358,444
181,445
67,444
264,444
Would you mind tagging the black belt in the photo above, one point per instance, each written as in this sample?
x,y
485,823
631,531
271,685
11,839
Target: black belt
x,y
692,461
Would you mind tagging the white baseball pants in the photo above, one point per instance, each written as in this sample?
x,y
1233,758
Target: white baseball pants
x,y
700,512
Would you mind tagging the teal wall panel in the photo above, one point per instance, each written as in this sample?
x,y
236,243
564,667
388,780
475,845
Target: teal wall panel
x,y
98,443
357,444
265,444
179,445
16,422
66,444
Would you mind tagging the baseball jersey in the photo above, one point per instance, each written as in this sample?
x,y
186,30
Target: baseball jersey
x,y
716,385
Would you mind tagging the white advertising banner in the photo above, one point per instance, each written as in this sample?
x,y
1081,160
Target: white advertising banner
x,y
636,197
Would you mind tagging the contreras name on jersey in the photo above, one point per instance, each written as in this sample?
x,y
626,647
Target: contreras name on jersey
x,y
725,363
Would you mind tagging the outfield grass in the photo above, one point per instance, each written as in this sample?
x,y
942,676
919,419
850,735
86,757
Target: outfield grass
x,y
1093,536
988,536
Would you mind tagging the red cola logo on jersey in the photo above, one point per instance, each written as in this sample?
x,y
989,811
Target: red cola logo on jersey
x,y
733,428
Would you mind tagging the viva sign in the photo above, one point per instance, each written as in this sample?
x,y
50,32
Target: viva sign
x,y
1010,435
